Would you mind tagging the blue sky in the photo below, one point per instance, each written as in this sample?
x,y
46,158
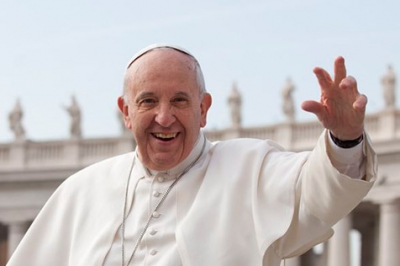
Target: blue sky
x,y
50,50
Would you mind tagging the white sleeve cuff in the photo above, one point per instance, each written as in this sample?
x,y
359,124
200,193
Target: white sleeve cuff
x,y
347,161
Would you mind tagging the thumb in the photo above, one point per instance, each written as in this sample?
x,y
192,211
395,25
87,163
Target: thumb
x,y
312,107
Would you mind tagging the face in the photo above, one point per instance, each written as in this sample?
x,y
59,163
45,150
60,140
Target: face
x,y
163,107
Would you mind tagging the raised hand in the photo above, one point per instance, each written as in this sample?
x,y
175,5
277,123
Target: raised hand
x,y
341,108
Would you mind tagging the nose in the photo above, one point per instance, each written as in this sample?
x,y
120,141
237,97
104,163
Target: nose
x,y
165,115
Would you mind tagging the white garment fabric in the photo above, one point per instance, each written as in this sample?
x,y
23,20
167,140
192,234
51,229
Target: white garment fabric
x,y
347,161
162,250
246,202
158,247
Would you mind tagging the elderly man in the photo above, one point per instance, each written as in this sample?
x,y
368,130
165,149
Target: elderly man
x,y
181,200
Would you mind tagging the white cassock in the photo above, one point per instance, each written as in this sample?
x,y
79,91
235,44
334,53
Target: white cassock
x,y
244,202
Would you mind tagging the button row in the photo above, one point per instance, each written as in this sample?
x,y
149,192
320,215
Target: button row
x,y
153,251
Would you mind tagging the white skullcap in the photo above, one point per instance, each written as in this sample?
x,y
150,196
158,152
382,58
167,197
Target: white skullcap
x,y
155,46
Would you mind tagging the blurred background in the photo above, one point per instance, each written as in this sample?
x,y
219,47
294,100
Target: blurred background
x,y
51,50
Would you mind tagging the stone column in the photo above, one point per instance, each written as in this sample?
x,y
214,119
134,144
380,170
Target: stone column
x,y
368,240
389,235
339,244
16,231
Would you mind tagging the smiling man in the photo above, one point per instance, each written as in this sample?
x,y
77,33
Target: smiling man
x,y
165,105
182,200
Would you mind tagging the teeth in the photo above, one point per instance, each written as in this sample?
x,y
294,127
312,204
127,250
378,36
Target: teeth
x,y
165,136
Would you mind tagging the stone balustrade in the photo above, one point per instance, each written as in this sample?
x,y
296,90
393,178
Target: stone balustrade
x,y
71,153
28,155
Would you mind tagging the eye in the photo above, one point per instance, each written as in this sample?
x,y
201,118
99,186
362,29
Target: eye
x,y
180,101
147,102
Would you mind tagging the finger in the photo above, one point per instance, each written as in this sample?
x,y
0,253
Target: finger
x,y
349,83
323,77
311,106
360,103
339,70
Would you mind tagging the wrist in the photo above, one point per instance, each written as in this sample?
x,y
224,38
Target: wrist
x,y
346,144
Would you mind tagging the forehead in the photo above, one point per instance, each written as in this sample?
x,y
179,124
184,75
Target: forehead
x,y
157,46
164,60
165,66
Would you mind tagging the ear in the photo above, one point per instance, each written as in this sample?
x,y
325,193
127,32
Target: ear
x,y
123,107
204,106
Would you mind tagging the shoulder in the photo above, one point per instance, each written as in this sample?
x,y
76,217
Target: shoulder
x,y
242,152
104,172
95,185
110,164
255,152
247,145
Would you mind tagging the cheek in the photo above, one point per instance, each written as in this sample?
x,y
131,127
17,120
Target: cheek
x,y
140,121
191,120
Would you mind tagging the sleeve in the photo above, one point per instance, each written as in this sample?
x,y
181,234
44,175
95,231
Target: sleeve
x,y
323,196
350,161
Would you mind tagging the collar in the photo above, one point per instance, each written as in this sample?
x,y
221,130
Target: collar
x,y
174,172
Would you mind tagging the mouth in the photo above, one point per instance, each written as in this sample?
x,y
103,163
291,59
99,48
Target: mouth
x,y
165,136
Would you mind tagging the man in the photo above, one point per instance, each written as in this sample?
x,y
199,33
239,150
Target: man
x,y
181,200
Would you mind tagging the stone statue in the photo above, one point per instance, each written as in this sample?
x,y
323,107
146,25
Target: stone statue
x,y
288,103
235,105
75,115
389,87
15,120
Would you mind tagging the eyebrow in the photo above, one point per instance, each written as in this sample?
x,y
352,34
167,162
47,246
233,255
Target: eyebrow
x,y
150,94
144,95
182,93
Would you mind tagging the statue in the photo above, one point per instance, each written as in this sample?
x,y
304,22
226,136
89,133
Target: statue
x,y
288,103
75,115
15,120
389,87
235,105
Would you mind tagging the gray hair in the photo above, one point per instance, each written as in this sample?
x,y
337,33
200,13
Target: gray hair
x,y
199,73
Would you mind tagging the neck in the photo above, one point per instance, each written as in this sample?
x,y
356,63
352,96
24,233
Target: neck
x,y
197,150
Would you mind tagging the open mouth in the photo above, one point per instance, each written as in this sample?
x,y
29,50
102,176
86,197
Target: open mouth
x,y
165,136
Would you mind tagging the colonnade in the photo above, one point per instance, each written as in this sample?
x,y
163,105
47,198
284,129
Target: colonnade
x,y
388,243
379,248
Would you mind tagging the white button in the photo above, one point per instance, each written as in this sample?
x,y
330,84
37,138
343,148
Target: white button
x,y
156,214
153,252
153,232
156,193
160,179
